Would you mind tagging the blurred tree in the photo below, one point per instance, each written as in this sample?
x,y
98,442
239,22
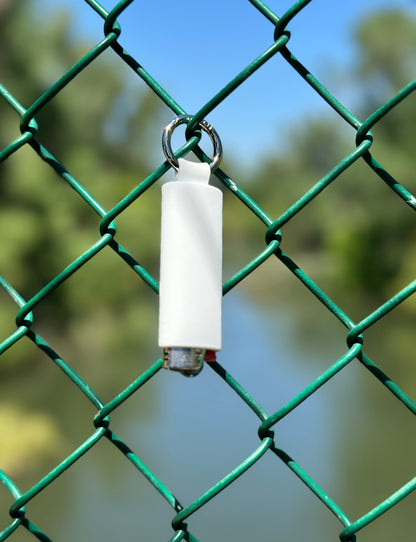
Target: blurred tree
x,y
387,61
379,237
358,223
100,127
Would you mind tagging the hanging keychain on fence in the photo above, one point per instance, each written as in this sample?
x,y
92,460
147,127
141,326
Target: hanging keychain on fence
x,y
190,259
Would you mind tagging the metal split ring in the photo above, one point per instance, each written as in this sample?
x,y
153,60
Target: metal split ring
x,y
206,127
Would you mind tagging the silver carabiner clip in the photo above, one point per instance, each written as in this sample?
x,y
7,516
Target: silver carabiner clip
x,y
206,127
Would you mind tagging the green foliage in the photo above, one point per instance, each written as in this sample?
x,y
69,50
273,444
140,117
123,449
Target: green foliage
x,y
38,437
358,222
88,127
386,42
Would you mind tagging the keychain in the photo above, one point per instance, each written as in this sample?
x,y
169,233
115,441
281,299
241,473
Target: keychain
x,y
190,296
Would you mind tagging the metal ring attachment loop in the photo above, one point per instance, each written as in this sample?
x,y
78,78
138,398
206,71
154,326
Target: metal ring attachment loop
x,y
206,127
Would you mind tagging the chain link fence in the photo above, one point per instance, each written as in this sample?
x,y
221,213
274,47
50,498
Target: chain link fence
x,y
273,230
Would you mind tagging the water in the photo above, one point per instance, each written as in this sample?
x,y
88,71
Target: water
x,y
192,432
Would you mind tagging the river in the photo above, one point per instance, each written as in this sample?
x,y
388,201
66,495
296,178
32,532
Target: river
x,y
351,437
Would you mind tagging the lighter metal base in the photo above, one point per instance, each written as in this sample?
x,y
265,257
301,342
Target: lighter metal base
x,y
188,361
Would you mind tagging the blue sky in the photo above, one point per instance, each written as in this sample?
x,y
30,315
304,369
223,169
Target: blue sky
x,y
194,48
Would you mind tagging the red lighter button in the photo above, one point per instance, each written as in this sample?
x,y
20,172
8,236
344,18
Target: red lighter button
x,y
210,356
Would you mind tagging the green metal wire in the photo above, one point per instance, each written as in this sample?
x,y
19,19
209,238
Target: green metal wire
x,y
106,231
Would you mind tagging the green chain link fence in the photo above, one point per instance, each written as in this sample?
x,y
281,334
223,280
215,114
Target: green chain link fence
x,y
106,224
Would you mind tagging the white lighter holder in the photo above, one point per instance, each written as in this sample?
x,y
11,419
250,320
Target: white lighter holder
x,y
190,268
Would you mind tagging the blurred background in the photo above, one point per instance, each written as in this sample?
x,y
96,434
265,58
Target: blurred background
x,y
356,241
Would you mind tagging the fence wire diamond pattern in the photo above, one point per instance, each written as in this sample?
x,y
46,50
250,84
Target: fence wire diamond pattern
x,y
101,427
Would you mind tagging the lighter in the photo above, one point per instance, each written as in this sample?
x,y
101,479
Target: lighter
x,y
190,260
